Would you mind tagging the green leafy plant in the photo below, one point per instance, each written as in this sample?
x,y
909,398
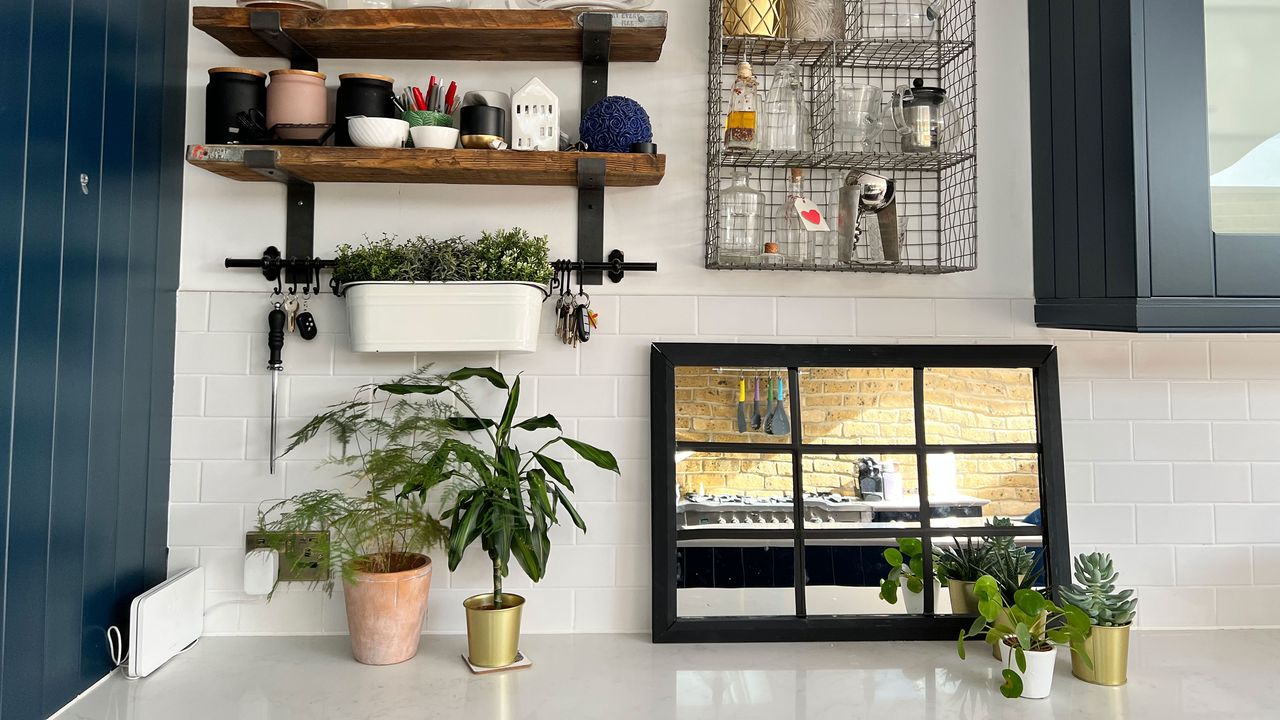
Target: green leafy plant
x,y
1031,623
506,497
905,561
386,442
1096,593
501,255
962,563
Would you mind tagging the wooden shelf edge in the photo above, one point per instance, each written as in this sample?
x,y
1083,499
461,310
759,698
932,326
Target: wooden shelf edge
x,y
432,34
446,167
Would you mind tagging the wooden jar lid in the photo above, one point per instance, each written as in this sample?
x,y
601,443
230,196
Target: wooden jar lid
x,y
366,76
289,71
240,70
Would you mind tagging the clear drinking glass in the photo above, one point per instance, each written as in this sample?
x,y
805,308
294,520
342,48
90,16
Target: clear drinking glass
x,y
742,221
859,113
900,19
786,113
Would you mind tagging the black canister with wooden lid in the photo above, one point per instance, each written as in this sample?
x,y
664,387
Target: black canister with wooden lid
x,y
361,94
230,92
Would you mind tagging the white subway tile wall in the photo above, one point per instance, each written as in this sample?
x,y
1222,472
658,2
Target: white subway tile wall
x,y
1172,468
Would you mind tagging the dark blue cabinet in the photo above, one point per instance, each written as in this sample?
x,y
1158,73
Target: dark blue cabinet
x,y
90,206
1124,225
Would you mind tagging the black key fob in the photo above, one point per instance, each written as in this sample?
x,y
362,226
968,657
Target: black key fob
x,y
307,326
582,321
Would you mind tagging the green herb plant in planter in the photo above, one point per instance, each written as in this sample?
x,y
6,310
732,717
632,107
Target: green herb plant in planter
x,y
376,538
959,566
1028,631
1111,615
906,571
502,495
426,295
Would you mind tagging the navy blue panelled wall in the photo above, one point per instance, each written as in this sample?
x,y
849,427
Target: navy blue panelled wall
x,y
92,96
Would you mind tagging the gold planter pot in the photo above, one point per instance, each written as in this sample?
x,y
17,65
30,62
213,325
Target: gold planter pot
x,y
1108,647
754,18
963,601
493,634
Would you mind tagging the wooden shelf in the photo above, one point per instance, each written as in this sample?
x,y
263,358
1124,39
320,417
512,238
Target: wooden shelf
x,y
437,34
452,167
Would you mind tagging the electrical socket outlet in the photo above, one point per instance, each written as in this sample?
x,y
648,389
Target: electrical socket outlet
x,y
304,559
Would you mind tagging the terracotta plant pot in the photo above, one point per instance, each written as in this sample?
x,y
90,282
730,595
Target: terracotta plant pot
x,y
493,634
1108,648
385,610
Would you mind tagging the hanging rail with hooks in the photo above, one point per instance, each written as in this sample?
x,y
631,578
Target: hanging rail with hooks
x,y
616,267
273,264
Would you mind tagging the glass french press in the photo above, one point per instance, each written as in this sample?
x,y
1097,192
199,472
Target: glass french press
x,y
921,115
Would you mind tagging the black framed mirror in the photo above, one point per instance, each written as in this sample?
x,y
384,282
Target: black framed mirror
x,y
783,473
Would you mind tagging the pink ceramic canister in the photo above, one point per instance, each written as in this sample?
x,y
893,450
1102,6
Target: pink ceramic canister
x,y
297,97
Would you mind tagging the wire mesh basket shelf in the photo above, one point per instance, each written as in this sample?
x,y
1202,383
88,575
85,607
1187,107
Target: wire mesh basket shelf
x,y
870,46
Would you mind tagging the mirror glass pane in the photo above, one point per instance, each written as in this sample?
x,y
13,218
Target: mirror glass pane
x,y
857,406
738,578
967,489
1013,561
719,490
1244,115
843,577
860,491
711,401
965,406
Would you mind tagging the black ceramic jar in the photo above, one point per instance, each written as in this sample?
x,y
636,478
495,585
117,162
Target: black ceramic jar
x,y
361,94
230,92
482,126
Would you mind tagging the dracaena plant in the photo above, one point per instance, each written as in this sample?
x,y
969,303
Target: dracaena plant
x,y
1031,623
498,491
905,561
1096,592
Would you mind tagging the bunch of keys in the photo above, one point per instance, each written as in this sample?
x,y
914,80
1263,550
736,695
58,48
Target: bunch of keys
x,y
299,317
574,318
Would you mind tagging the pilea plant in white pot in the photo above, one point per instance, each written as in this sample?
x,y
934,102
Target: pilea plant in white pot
x,y
906,572
1111,615
452,295
1028,632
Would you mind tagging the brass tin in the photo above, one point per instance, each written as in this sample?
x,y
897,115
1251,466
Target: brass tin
x,y
963,601
758,18
493,636
1108,648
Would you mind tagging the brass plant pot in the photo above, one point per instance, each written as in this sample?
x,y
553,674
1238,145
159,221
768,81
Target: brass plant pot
x,y
754,18
963,601
493,634
1108,648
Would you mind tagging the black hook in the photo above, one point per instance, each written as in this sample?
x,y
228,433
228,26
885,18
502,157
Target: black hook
x,y
279,285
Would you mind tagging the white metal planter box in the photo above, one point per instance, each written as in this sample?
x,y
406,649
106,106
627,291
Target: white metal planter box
x,y
444,317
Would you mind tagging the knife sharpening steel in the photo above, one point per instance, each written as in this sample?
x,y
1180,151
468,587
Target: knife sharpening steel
x,y
165,620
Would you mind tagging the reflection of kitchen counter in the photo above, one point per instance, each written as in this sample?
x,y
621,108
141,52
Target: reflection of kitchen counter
x,y
686,541
824,511
911,503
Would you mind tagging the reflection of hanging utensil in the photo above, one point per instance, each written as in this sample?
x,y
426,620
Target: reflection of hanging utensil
x,y
769,408
742,404
780,424
756,420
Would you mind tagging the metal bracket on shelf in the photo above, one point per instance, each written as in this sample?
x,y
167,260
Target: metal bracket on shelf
x,y
591,173
266,25
597,34
300,215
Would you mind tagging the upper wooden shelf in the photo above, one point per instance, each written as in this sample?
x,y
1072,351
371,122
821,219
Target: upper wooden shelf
x,y
438,34
453,167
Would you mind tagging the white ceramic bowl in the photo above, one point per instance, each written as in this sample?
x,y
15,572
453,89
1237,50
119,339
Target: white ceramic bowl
x,y
442,138
378,132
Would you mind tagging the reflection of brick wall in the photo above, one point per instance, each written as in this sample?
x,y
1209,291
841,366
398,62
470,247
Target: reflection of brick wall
x,y
868,406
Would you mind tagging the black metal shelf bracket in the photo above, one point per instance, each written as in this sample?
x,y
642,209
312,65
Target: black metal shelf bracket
x,y
266,25
300,215
597,36
591,180
616,266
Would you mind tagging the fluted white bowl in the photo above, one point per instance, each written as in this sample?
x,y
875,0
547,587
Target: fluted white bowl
x,y
378,132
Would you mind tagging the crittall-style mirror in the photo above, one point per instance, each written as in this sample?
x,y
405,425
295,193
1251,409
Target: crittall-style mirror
x,y
825,492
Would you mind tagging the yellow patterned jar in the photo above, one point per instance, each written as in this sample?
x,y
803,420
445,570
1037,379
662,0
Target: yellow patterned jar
x,y
758,18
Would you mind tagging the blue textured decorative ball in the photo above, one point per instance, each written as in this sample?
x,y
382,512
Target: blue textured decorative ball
x,y
615,124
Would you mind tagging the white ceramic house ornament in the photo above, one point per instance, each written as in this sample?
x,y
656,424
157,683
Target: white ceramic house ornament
x,y
535,118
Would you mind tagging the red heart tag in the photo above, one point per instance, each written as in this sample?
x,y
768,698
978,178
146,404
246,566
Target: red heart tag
x,y
812,216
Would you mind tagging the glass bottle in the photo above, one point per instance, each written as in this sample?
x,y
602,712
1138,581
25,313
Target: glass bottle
x,y
786,127
742,221
795,242
740,134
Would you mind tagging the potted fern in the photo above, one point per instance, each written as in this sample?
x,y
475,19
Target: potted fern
x,y
451,295
906,572
1028,632
960,566
376,538
1110,614
502,494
